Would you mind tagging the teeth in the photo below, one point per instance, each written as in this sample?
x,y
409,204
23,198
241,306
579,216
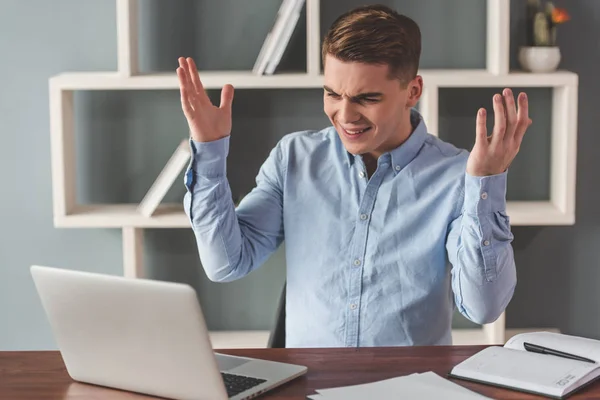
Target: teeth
x,y
356,132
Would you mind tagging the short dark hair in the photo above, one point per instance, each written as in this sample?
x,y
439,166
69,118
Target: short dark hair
x,y
376,34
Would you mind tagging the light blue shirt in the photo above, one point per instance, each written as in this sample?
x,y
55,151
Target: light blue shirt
x,y
379,261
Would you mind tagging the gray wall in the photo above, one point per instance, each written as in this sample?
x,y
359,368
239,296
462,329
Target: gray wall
x,y
124,138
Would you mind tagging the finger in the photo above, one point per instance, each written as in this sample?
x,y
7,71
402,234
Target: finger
x,y
185,101
184,68
511,114
481,128
523,118
186,80
499,120
198,87
226,97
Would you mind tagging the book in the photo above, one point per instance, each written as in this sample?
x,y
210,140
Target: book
x,y
552,374
286,35
273,37
165,179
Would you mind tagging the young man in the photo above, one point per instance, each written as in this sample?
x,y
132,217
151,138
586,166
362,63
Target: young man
x,y
371,209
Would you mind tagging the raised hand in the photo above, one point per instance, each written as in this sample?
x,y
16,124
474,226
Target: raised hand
x,y
206,121
493,154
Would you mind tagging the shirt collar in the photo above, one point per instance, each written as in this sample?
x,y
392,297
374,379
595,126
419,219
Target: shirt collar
x,y
407,151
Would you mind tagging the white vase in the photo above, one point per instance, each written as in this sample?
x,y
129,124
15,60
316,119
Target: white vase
x,y
539,58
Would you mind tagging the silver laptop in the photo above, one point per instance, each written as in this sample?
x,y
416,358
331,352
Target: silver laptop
x,y
145,336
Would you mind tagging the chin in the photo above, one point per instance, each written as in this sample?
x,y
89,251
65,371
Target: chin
x,y
355,149
358,144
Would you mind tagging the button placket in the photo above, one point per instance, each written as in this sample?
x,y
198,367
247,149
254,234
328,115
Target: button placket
x,y
358,255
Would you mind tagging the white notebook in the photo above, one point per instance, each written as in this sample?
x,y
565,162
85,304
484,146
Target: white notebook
x,y
512,366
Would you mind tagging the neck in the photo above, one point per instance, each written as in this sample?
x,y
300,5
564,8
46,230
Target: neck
x,y
370,164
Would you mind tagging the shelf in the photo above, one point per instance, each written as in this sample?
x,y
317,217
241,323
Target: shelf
x,y
537,213
260,339
123,215
482,78
172,216
248,80
168,80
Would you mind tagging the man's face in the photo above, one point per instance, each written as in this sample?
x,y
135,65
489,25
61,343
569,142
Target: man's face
x,y
369,110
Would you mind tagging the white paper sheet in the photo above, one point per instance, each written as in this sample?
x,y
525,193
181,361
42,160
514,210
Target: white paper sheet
x,y
422,386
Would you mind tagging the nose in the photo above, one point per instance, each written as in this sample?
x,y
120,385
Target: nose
x,y
347,113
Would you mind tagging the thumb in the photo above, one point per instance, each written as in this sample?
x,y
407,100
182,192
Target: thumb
x,y
226,97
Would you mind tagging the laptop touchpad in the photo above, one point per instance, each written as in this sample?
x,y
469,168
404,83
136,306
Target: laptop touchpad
x,y
227,363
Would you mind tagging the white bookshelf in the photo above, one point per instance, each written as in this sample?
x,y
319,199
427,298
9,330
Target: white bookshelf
x,y
172,216
260,339
433,78
558,210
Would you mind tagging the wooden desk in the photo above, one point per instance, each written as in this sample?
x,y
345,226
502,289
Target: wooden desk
x,y
42,375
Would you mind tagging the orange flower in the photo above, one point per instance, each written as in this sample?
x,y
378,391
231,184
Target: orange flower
x,y
560,15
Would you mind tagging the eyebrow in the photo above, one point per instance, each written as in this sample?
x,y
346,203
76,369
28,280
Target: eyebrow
x,y
358,96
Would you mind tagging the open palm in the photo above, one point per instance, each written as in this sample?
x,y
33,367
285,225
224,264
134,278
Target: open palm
x,y
206,121
493,154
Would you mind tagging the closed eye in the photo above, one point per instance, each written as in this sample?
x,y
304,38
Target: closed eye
x,y
371,97
356,99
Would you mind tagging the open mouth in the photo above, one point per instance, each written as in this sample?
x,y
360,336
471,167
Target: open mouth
x,y
355,133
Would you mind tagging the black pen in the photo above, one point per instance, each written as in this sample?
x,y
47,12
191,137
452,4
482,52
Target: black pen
x,y
545,350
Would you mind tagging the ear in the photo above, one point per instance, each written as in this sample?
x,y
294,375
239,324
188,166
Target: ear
x,y
415,89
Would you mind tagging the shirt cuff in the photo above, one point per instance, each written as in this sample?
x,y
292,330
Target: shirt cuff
x,y
209,159
485,194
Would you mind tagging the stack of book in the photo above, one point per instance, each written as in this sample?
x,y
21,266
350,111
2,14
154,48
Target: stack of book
x,y
278,37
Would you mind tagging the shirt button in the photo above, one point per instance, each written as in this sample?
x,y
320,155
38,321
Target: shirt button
x,y
486,243
398,168
353,306
357,262
361,174
484,195
363,216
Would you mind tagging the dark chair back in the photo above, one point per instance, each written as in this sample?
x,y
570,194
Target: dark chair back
x,y
277,336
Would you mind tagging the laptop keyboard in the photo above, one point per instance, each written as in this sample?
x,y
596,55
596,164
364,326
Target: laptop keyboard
x,y
236,384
